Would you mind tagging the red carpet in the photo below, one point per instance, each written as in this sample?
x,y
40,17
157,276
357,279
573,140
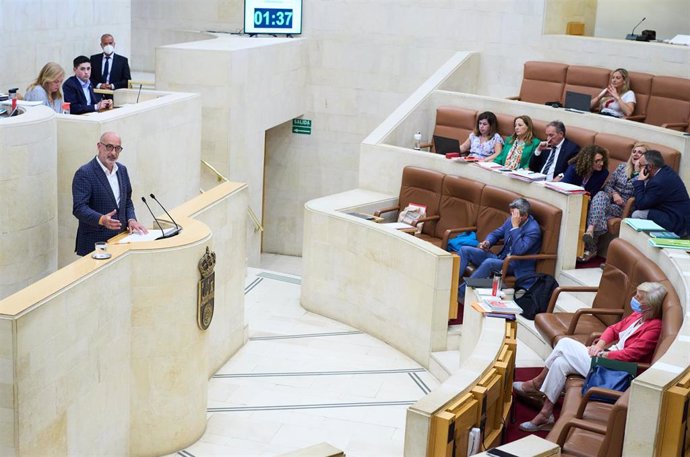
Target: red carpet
x,y
523,412
594,262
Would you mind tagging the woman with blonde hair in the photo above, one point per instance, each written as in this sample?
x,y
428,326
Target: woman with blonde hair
x,y
609,203
518,147
46,88
616,99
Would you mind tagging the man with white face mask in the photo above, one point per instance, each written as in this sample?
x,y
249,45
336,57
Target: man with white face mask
x,y
109,70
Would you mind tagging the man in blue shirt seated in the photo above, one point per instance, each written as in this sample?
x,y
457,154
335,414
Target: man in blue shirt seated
x,y
78,92
521,235
660,195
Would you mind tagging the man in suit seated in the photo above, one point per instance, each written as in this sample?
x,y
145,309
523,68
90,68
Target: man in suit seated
x,y
78,92
551,156
102,197
660,195
521,235
109,70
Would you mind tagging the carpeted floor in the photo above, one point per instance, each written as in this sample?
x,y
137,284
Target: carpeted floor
x,y
594,262
522,411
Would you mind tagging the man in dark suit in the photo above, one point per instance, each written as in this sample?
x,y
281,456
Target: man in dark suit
x,y
521,235
551,156
109,70
660,195
102,197
78,92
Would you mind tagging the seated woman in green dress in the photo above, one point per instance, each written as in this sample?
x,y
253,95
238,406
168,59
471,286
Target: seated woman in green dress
x,y
518,147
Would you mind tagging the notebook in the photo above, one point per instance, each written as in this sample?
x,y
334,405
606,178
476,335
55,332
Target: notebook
x,y
577,101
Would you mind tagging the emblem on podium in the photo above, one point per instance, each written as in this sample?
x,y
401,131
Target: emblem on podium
x,y
206,289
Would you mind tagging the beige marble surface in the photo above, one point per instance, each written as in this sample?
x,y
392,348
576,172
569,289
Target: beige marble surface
x,y
28,217
247,87
161,140
389,284
105,357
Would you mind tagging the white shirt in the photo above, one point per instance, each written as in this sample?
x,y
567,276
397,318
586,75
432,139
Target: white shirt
x,y
85,89
112,180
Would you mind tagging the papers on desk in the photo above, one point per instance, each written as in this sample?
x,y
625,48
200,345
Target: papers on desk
x,y
498,305
565,188
680,39
527,175
493,166
643,225
153,234
670,243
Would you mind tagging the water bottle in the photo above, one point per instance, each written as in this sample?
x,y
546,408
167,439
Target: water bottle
x,y
496,284
418,141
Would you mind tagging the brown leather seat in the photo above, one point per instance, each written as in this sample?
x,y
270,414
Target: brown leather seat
x,y
422,187
581,136
599,413
458,210
586,80
641,84
542,82
669,102
595,429
625,268
454,122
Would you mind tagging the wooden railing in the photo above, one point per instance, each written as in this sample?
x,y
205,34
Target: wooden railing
x,y
486,406
673,427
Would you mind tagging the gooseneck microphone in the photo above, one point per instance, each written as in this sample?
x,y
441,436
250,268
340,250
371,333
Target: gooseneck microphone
x,y
177,227
631,35
154,217
141,85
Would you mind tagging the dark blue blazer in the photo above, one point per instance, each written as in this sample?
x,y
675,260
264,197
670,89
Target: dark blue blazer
x,y
666,198
92,197
594,184
568,150
119,71
73,94
523,240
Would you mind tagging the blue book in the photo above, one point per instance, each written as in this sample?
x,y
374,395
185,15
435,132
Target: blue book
x,y
643,225
665,234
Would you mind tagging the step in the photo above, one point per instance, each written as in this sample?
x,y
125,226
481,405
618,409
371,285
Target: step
x,y
453,338
443,364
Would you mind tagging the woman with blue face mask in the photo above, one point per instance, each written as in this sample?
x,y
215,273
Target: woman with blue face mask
x,y
633,339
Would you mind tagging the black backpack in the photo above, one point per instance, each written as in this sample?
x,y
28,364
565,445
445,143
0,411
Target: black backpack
x,y
535,298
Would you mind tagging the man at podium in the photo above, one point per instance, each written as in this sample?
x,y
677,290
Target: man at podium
x,y
102,197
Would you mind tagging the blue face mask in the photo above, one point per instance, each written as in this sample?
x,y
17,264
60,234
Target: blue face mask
x,y
636,305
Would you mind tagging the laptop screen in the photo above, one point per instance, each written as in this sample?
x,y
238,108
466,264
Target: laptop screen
x,y
578,101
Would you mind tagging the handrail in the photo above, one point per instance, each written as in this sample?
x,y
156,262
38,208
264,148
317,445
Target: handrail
x,y
219,176
257,225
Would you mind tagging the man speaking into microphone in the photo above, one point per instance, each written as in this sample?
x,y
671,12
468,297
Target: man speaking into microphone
x,y
102,197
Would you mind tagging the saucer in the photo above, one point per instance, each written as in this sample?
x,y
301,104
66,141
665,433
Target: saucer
x,y
101,256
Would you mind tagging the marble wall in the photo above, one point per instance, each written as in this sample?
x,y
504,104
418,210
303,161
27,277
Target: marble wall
x,y
254,85
615,19
28,214
33,32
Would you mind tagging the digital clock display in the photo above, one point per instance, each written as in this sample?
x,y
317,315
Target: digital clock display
x,y
273,16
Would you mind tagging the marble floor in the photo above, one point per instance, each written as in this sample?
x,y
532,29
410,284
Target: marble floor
x,y
303,379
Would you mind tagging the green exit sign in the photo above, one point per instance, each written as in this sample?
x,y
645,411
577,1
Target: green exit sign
x,y
301,126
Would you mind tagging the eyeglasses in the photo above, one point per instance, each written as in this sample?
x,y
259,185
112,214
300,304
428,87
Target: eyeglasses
x,y
111,147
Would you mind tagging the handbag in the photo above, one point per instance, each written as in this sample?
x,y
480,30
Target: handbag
x,y
609,374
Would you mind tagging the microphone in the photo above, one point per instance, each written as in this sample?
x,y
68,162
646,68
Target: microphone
x,y
154,217
177,227
141,85
632,36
